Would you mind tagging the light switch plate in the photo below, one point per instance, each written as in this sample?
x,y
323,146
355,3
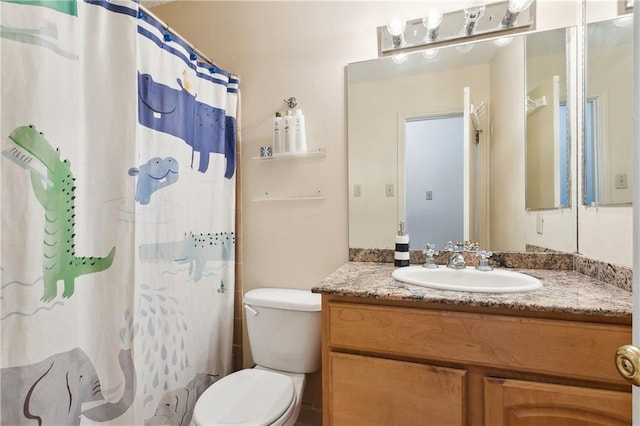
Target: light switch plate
x,y
539,223
621,180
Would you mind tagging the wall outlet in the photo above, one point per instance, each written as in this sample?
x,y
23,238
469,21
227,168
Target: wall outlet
x,y
389,190
357,190
429,195
621,180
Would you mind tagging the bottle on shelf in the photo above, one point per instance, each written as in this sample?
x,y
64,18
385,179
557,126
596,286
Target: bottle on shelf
x,y
300,132
289,133
278,135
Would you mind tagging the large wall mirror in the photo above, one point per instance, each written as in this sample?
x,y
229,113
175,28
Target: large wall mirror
x,y
608,131
423,128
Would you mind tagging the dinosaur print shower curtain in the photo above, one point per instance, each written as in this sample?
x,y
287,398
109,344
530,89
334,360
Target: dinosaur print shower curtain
x,y
117,233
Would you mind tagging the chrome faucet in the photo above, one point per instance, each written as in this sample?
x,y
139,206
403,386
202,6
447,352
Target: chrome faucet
x,y
456,261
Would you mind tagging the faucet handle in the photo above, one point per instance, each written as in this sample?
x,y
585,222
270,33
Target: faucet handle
x,y
484,256
430,251
471,246
455,247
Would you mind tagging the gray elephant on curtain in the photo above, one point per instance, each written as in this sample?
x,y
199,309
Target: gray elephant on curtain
x,y
176,406
51,392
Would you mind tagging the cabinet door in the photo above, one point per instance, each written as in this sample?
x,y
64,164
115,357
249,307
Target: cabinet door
x,y
523,403
373,391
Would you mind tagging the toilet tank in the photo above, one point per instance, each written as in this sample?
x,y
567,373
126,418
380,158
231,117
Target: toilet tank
x,y
284,328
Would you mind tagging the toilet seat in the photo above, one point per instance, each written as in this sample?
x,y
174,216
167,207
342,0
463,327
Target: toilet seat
x,y
246,397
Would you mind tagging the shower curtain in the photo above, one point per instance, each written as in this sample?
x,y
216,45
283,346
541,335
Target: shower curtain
x,y
118,217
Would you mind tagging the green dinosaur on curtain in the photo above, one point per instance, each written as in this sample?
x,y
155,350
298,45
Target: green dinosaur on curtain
x,y
56,194
65,6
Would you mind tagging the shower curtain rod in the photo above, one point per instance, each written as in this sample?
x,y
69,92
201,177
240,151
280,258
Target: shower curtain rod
x,y
175,33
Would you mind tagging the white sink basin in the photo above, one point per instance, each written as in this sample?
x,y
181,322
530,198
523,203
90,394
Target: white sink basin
x,y
468,279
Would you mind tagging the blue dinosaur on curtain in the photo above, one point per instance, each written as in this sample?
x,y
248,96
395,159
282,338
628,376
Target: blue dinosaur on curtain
x,y
178,113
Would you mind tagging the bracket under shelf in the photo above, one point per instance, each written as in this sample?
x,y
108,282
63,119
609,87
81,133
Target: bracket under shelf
x,y
318,152
270,197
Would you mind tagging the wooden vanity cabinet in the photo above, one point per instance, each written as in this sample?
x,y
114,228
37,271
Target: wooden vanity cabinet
x,y
405,363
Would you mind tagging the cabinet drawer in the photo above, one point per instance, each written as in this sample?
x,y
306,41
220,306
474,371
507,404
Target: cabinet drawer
x,y
523,403
374,391
570,349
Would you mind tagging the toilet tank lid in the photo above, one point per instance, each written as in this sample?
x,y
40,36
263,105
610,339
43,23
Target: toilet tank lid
x,y
284,298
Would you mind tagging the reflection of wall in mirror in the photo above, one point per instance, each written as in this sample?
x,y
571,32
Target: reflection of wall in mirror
x,y
507,149
609,81
605,233
373,110
543,62
511,225
542,155
546,71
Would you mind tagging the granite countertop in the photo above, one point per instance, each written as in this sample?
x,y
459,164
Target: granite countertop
x,y
563,291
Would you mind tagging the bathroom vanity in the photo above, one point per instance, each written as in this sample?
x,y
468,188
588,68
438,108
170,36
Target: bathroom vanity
x,y
400,354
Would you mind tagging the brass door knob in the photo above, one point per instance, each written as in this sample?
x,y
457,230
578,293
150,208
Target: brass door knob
x,y
628,363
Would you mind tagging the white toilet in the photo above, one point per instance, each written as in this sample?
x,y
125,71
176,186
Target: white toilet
x,y
284,335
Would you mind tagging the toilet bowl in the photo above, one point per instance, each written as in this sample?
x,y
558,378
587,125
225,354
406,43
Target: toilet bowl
x,y
284,335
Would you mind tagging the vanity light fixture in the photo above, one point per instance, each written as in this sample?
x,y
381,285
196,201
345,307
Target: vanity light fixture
x,y
513,10
437,29
432,23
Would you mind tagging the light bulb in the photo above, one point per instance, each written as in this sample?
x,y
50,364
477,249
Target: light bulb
x,y
433,19
396,26
430,53
399,58
513,10
517,6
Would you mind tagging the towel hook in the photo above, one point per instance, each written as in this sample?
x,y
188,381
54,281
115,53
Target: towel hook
x,y
291,102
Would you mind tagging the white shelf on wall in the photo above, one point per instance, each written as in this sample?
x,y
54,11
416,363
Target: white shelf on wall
x,y
269,197
318,152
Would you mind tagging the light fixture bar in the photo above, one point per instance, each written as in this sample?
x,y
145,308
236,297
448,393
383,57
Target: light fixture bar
x,y
455,27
